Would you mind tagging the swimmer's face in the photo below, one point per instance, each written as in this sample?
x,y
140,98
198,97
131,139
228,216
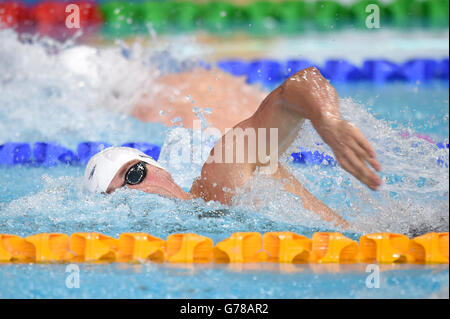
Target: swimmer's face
x,y
156,181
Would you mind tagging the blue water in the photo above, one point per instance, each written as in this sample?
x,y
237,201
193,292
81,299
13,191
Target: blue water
x,y
235,281
43,97
422,108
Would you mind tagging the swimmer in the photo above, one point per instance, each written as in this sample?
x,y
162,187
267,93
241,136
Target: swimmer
x,y
305,95
230,99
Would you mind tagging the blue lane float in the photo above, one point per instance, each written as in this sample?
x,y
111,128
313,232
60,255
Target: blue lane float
x,y
309,157
51,154
86,150
440,160
269,72
15,154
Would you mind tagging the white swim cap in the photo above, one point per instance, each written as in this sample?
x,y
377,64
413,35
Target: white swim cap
x,y
103,166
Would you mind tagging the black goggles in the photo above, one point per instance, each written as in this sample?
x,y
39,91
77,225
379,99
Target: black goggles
x,y
136,174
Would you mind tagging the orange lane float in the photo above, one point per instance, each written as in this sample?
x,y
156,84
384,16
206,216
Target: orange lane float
x,y
13,248
430,248
385,248
48,247
140,247
189,248
93,246
333,248
239,248
287,247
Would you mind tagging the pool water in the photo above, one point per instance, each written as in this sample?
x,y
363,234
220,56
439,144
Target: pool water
x,y
43,98
243,281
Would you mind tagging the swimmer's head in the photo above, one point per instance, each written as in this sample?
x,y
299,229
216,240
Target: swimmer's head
x,y
115,167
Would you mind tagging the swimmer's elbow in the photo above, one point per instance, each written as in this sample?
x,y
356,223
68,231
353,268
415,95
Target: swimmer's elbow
x,y
309,92
305,78
311,70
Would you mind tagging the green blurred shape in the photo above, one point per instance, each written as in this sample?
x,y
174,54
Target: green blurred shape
x,y
264,17
119,12
261,16
120,18
437,12
358,13
293,15
329,15
185,15
405,13
220,16
156,13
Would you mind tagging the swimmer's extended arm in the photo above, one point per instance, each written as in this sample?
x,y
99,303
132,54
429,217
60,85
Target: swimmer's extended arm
x,y
308,95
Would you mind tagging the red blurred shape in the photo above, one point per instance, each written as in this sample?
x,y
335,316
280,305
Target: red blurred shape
x,y
50,18
12,15
90,14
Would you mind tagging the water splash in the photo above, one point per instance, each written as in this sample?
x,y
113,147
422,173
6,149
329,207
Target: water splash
x,y
54,91
58,92
414,196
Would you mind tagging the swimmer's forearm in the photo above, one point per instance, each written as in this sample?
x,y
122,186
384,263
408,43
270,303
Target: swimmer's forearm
x,y
305,95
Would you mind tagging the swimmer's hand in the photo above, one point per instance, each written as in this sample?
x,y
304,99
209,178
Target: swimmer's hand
x,y
309,95
351,148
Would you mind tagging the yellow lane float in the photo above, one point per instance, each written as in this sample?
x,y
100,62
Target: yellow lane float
x,y
241,247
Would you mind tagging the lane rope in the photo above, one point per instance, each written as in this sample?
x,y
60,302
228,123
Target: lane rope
x,y
52,154
241,247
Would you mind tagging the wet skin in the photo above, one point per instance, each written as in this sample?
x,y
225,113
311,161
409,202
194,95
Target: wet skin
x,y
305,95
175,96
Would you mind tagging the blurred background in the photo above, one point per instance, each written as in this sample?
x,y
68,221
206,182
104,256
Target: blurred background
x,y
248,28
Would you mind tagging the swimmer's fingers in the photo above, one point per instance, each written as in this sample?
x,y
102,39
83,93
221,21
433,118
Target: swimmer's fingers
x,y
355,166
363,155
352,150
364,149
349,167
368,176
